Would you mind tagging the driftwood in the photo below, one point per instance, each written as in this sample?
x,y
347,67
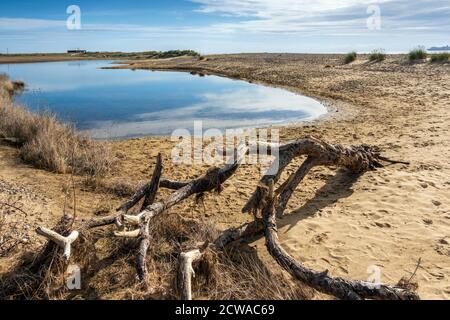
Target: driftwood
x,y
357,159
150,196
264,203
63,242
321,281
187,272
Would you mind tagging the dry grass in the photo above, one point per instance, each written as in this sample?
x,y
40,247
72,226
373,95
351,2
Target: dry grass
x,y
46,142
108,269
243,276
11,234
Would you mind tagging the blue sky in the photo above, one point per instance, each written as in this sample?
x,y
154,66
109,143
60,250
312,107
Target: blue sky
x,y
224,26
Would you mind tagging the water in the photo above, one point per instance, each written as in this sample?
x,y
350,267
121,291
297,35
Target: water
x,y
124,103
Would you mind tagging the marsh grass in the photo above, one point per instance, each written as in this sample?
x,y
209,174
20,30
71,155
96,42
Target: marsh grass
x,y
350,57
418,53
47,143
377,55
440,57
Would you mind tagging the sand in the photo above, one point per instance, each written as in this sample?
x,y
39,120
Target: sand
x,y
387,218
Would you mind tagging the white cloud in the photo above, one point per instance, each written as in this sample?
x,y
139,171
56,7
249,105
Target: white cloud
x,y
253,25
281,9
326,17
29,24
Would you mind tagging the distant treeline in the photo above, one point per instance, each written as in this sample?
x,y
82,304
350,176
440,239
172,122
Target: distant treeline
x,y
129,55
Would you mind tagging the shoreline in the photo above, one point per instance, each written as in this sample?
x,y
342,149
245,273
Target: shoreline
x,y
387,218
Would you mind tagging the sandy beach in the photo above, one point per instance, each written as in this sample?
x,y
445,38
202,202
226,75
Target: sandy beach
x,y
389,218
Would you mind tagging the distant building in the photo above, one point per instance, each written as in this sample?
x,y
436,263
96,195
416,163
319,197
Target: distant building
x,y
446,48
76,51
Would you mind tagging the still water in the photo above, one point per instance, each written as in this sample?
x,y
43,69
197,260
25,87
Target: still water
x,y
124,103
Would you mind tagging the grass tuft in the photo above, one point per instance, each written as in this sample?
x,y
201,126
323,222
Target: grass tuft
x,y
377,55
418,53
440,57
350,57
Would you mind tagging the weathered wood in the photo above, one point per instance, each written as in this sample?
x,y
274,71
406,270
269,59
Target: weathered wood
x,y
357,159
150,195
63,242
148,191
141,258
172,184
186,272
321,281
128,234
245,231
264,200
288,187
211,181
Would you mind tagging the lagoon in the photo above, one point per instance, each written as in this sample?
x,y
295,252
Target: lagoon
x,y
121,103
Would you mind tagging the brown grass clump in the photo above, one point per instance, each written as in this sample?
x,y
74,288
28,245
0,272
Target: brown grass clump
x,y
243,276
47,143
43,276
108,268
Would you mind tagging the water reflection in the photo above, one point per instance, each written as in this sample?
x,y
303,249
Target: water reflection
x,y
122,103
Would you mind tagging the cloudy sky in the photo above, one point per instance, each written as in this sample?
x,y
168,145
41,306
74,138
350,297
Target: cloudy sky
x,y
213,26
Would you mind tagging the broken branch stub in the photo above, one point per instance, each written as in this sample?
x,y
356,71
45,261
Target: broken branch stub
x,y
63,242
186,272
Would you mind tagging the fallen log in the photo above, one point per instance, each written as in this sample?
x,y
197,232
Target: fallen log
x,y
264,200
357,159
150,196
211,181
321,281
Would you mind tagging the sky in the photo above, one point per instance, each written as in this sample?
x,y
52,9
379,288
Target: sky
x,y
224,26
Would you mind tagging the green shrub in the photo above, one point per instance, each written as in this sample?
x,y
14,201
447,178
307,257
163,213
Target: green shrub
x,y
175,53
418,53
377,55
440,57
350,57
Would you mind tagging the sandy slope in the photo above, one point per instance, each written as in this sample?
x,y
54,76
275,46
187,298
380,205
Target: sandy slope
x,y
389,218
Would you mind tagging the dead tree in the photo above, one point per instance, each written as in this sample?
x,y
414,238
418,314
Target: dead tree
x,y
321,281
264,203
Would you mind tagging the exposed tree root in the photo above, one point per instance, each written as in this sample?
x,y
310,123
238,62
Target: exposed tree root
x,y
264,203
321,281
